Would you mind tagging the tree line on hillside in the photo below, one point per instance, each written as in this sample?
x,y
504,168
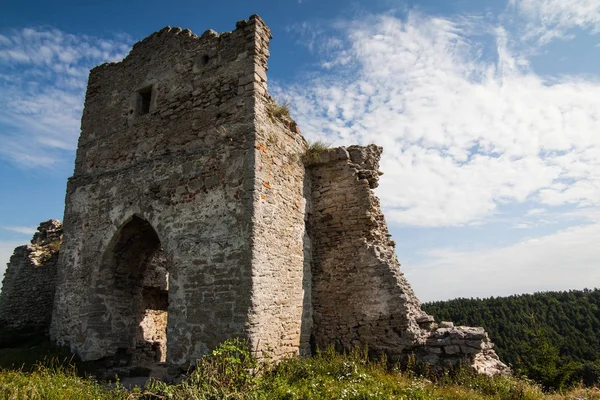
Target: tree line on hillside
x,y
551,337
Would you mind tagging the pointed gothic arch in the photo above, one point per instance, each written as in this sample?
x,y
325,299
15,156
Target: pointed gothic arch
x,y
129,300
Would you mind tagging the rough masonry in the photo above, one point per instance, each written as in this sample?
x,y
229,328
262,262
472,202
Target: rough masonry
x,y
197,212
29,284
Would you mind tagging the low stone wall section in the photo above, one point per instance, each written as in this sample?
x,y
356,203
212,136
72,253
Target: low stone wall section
x,y
28,287
447,346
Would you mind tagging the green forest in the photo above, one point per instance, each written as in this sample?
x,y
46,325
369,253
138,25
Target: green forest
x,y
550,337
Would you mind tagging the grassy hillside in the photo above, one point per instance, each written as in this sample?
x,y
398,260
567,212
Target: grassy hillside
x,y
230,372
553,337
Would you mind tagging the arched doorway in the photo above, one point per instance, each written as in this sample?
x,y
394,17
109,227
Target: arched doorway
x,y
133,286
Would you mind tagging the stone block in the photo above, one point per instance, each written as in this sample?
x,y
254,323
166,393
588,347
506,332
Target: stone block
x,y
452,349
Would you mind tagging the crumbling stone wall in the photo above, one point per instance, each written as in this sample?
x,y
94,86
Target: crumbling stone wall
x,y
447,345
360,296
28,287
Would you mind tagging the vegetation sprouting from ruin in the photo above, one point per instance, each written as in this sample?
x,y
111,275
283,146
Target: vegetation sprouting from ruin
x,y
278,111
311,155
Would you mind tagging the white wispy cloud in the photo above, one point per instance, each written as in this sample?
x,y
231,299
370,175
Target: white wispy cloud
x,y
43,75
468,131
462,133
25,230
545,20
535,211
561,261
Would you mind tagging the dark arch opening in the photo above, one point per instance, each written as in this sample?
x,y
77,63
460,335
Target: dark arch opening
x,y
135,292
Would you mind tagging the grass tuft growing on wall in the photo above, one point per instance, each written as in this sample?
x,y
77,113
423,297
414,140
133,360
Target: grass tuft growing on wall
x,y
278,111
311,155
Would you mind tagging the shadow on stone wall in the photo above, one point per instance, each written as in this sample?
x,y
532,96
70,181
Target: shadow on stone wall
x,y
28,288
128,307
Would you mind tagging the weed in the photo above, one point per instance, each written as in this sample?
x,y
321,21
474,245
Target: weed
x,y
278,111
227,372
273,140
311,155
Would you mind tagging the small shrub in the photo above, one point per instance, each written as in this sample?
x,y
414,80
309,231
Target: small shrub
x,y
273,140
227,372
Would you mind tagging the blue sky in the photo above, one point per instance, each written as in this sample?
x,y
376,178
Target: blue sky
x,y
488,112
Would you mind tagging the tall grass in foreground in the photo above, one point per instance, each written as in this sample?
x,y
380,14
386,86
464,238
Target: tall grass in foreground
x,y
230,372
48,382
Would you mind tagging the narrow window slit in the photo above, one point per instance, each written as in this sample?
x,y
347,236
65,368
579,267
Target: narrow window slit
x,y
144,100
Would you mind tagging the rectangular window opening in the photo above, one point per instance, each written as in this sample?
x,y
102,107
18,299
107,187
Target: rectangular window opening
x,y
144,100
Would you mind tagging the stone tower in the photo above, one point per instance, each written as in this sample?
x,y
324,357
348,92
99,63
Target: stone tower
x,y
185,197
197,213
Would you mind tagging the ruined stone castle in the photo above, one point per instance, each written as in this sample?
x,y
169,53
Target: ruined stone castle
x,y
197,213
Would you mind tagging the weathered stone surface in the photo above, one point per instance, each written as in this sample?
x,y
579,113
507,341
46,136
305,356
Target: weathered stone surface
x,y
280,320
360,297
359,294
191,219
446,324
28,287
462,343
165,163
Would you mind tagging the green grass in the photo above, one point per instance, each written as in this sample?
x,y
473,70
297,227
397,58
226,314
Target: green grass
x,y
230,372
278,111
311,155
54,383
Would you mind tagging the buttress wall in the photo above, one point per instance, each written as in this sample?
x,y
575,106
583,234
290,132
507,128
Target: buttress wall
x,y
360,297
281,316
167,138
